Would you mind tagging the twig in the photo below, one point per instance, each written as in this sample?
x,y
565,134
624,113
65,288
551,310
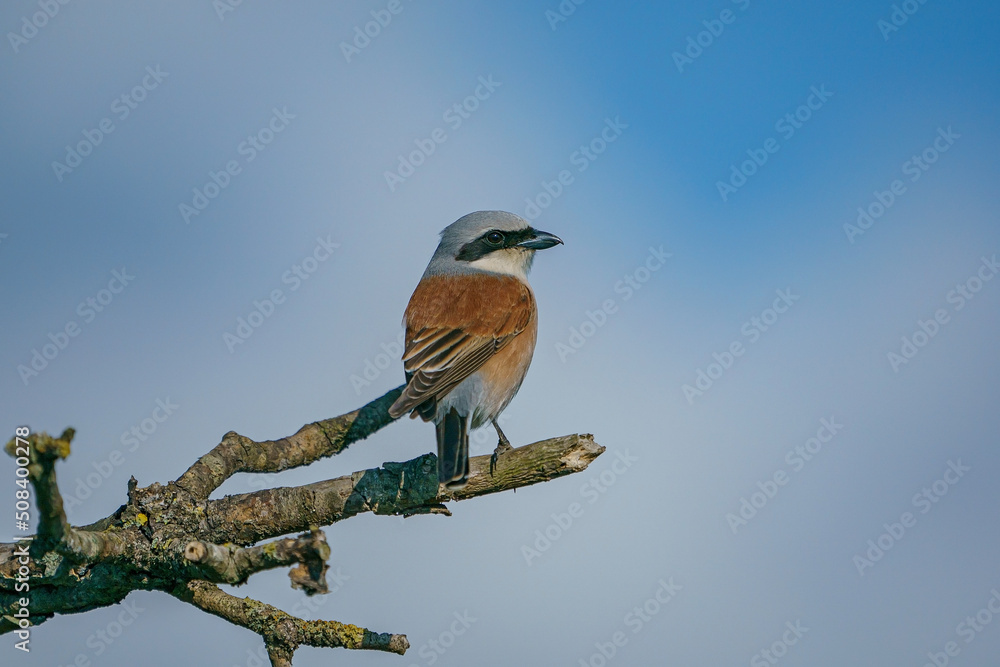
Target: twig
x,y
283,633
233,565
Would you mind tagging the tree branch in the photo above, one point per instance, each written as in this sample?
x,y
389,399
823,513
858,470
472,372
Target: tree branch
x,y
54,531
283,633
233,565
171,538
396,488
238,453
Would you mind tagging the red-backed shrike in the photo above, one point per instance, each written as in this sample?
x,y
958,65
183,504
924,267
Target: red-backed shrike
x,y
470,332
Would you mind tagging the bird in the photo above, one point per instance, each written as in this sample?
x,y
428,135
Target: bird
x,y
471,326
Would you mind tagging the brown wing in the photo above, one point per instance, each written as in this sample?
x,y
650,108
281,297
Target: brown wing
x,y
454,325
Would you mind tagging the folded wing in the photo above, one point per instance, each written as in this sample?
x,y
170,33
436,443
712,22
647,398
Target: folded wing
x,y
454,325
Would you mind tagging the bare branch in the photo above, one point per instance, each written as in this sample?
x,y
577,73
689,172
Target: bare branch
x,y
237,453
54,531
283,633
279,656
233,565
59,587
396,488
171,538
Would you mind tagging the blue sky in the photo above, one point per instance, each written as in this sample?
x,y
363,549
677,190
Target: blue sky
x,y
875,107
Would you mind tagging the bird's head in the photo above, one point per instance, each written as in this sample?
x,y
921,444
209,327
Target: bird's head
x,y
493,241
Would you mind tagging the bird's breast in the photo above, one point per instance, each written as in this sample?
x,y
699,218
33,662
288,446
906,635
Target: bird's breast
x,y
501,376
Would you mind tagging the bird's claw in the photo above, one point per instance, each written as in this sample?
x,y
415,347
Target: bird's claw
x,y
503,446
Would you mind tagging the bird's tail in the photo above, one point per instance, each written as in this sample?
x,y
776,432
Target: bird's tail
x,y
453,449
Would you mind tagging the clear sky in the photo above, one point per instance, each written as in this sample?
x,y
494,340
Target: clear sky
x,y
775,307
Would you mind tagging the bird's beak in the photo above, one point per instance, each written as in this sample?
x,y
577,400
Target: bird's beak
x,y
540,241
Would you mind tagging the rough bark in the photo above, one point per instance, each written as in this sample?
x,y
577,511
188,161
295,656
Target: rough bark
x,y
172,538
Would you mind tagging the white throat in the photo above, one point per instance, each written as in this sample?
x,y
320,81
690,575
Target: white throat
x,y
509,262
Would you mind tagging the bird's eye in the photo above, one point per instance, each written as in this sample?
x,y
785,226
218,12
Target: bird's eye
x,y
494,238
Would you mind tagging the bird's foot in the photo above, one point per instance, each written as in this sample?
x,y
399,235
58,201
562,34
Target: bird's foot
x,y
503,446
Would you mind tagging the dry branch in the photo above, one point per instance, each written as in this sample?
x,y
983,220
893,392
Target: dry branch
x,y
234,565
395,488
281,632
237,453
172,538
